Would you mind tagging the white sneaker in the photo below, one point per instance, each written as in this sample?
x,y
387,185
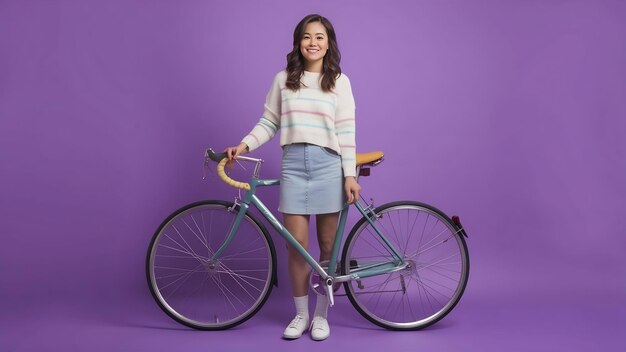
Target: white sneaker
x,y
319,329
295,329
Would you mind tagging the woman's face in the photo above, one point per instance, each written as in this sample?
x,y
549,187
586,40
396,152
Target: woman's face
x,y
313,46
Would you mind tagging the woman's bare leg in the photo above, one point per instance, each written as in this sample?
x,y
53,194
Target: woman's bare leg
x,y
326,231
298,226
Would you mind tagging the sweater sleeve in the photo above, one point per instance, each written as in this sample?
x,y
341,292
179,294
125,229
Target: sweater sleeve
x,y
269,123
345,125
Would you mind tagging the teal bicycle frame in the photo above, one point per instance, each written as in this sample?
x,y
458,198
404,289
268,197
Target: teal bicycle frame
x,y
371,269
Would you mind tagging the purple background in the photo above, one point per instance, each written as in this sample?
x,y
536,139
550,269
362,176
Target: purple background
x,y
511,114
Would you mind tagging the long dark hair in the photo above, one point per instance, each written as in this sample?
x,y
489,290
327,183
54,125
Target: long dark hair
x,y
295,60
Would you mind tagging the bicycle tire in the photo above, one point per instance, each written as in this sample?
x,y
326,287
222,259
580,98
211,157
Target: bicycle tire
x,y
204,295
429,288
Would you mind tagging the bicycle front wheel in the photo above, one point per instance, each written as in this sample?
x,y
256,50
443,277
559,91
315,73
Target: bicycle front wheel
x,y
431,283
203,293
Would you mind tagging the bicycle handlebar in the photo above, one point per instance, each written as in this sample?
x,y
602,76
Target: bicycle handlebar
x,y
217,157
221,160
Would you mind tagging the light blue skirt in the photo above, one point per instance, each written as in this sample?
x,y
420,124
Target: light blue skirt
x,y
311,180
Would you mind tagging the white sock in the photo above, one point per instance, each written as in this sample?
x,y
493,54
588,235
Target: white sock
x,y
321,307
302,306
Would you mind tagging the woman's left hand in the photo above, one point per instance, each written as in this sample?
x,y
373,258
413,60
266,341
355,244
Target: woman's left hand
x,y
352,189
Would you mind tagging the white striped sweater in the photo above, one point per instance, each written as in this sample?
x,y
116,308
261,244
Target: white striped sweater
x,y
309,115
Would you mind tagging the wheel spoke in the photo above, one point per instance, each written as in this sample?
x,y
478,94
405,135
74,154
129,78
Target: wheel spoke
x,y
434,275
190,255
180,281
199,237
199,290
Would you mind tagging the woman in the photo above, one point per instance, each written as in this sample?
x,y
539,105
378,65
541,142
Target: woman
x,y
312,103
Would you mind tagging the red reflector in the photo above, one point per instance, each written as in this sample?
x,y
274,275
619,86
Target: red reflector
x,y
364,172
456,220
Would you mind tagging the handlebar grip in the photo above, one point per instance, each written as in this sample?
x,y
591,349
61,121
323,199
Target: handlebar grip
x,y
221,159
217,157
229,181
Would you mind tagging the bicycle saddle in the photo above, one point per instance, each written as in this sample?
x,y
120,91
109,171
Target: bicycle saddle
x,y
372,158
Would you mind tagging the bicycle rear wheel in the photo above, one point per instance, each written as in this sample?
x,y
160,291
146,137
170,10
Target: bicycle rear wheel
x,y
200,293
431,284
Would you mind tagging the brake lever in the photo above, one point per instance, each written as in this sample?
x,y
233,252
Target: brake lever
x,y
205,165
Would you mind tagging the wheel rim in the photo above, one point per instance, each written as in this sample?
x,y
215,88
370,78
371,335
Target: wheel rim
x,y
431,283
203,293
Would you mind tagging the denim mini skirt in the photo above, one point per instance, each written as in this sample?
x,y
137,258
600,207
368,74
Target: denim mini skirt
x,y
311,180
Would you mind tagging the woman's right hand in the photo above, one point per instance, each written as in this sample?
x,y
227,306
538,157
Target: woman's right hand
x,y
232,152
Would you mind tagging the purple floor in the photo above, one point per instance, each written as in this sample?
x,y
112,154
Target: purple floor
x,y
510,114
506,319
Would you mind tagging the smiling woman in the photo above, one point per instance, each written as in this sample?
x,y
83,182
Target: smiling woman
x,y
311,103
315,49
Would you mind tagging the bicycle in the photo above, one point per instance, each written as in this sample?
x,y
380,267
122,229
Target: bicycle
x,y
211,265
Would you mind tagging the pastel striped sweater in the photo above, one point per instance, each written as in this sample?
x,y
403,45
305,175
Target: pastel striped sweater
x,y
309,115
